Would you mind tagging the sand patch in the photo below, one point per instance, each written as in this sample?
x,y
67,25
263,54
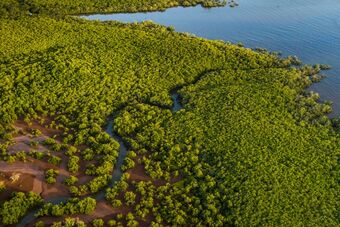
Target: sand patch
x,y
30,177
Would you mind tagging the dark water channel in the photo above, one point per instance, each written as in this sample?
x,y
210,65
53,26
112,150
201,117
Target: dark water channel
x,y
116,174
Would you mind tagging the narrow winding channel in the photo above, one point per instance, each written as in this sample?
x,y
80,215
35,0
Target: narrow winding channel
x,y
117,172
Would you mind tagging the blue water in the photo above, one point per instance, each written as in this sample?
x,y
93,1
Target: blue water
x,y
309,29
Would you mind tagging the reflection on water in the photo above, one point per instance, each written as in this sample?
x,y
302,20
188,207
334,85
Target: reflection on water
x,y
309,29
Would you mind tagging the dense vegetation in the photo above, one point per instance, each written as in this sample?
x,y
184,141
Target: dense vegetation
x,y
74,206
12,210
249,147
248,152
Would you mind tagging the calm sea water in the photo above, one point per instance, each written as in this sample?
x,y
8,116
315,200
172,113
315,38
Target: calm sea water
x,y
309,29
